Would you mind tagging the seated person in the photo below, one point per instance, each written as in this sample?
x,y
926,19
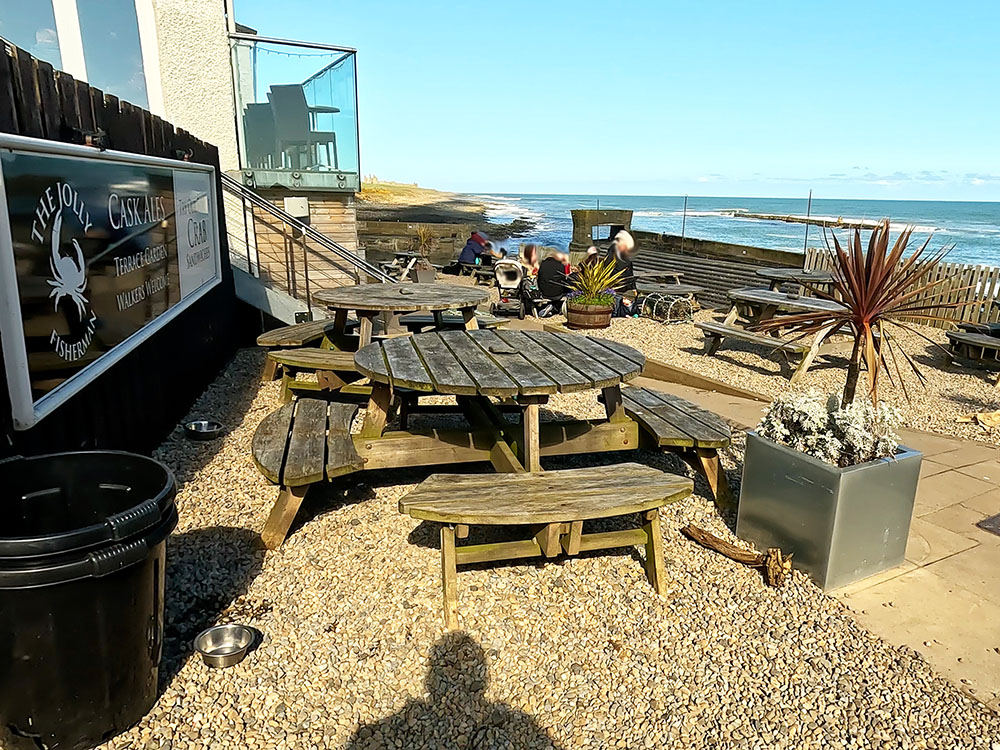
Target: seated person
x,y
491,254
475,248
553,281
529,259
621,251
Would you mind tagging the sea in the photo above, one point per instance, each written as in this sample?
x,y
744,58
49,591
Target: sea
x,y
972,228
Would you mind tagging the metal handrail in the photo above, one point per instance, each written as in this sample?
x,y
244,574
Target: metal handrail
x,y
360,264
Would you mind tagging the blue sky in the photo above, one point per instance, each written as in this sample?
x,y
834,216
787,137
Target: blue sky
x,y
895,100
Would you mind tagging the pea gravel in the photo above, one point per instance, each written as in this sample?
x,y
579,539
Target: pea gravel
x,y
577,653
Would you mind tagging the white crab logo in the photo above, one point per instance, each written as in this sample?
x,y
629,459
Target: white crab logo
x,y
69,274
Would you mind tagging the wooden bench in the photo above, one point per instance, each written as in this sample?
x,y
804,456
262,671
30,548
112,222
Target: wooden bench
x,y
672,290
980,348
333,369
557,503
481,274
987,329
695,434
418,322
302,443
315,333
715,333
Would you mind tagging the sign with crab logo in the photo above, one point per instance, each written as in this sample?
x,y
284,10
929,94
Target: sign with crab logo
x,y
103,249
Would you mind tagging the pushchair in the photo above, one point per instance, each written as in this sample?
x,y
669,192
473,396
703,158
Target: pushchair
x,y
508,275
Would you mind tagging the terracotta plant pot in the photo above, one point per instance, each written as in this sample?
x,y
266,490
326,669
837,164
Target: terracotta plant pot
x,y
583,316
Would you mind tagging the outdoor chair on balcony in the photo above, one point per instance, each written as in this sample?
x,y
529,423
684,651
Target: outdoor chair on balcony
x,y
259,134
293,122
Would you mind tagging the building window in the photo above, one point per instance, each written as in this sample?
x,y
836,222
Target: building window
x,y
31,26
110,32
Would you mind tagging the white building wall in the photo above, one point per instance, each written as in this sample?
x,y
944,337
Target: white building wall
x,y
195,72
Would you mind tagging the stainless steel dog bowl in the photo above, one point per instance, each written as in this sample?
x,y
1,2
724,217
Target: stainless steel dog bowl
x,y
203,429
224,645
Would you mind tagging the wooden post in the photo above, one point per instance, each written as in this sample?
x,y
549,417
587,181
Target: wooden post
x,y
613,403
571,542
530,448
711,467
655,571
365,331
469,316
282,514
377,413
449,577
270,370
548,539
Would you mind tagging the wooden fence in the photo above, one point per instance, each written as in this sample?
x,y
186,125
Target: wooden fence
x,y
976,287
136,402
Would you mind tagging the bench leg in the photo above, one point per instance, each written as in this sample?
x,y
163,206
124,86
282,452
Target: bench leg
x,y
712,344
529,424
270,370
613,404
548,539
469,318
654,552
711,467
449,577
809,356
287,378
282,514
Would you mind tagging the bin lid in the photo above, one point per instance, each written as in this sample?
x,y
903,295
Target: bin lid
x,y
63,503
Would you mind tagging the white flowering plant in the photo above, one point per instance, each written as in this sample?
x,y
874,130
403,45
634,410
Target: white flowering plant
x,y
821,426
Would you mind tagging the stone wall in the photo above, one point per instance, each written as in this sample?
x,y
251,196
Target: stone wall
x,y
671,243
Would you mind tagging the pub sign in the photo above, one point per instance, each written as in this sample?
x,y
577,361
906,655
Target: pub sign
x,y
97,251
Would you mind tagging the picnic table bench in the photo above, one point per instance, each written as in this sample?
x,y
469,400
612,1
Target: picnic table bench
x,y
419,322
300,444
672,423
333,369
556,504
481,274
980,348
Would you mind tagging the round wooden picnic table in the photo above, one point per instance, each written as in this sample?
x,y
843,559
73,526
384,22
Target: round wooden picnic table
x,y
779,276
370,300
525,367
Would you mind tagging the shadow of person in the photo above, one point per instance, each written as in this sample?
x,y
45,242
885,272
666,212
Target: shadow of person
x,y
456,713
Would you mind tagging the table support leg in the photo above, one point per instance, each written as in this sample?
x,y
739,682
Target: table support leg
x,y
469,316
377,413
613,403
449,577
365,331
654,552
548,539
809,356
706,461
731,316
529,424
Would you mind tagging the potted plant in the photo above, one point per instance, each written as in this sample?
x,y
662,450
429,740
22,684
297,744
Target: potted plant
x,y
824,477
592,299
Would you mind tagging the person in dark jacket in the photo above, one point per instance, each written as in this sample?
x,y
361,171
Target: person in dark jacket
x,y
621,250
553,279
474,247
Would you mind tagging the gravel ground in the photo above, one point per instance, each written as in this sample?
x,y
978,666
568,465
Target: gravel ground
x,y
577,653
950,390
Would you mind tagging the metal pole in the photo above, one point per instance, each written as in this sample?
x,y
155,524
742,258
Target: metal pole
x,y
809,205
684,217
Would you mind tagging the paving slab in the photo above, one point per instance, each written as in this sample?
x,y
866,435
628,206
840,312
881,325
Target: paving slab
x,y
930,444
929,468
947,488
955,629
929,542
988,503
966,454
961,519
975,570
988,471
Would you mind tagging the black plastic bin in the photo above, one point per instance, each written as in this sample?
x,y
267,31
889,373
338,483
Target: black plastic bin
x,y
82,552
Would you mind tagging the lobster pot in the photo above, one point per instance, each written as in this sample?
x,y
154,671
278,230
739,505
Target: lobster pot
x,y
588,316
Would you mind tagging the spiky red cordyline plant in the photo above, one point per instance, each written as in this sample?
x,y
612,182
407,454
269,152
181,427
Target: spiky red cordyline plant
x,y
876,288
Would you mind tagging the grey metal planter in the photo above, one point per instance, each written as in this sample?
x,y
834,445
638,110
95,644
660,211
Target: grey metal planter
x,y
842,524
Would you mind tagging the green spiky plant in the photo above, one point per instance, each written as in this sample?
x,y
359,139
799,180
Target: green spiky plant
x,y
596,283
877,289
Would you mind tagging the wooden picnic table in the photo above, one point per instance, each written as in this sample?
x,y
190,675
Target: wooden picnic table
x,y
368,301
755,306
522,367
779,276
658,277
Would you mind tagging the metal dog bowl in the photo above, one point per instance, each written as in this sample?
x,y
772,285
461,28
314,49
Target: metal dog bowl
x,y
203,429
224,645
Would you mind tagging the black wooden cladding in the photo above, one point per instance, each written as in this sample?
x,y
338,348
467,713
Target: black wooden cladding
x,y
135,403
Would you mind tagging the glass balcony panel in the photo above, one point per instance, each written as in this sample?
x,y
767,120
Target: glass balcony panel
x,y
298,113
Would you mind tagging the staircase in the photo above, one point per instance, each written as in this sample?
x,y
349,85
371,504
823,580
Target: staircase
x,y
279,277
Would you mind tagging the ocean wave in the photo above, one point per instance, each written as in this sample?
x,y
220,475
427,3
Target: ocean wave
x,y
501,198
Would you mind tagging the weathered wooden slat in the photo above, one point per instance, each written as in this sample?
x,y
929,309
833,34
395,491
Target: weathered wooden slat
x,y
295,335
29,111
530,377
341,416
48,99
490,379
612,539
304,462
599,375
404,364
8,96
446,371
547,497
370,361
625,367
569,380
678,415
664,432
270,440
401,297
712,423
313,358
